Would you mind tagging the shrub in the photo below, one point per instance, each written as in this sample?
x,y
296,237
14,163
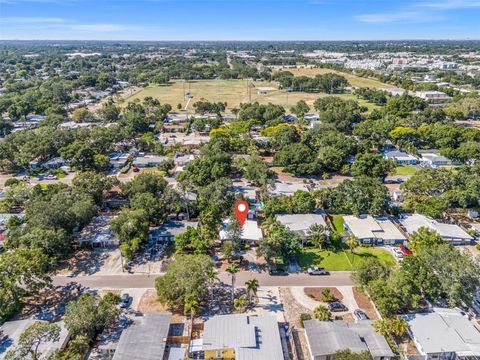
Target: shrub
x,y
303,317
112,298
327,296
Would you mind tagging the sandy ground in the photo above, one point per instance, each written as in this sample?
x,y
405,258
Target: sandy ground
x,y
307,302
105,261
269,303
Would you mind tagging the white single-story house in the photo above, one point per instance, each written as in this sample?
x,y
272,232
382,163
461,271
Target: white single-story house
x,y
401,157
434,160
287,189
452,233
444,334
373,230
241,337
183,160
301,223
434,97
251,232
148,161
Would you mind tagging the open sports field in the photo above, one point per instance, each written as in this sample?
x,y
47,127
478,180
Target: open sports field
x,y
234,92
355,81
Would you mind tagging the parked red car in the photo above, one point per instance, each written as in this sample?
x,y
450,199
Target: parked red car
x,y
405,250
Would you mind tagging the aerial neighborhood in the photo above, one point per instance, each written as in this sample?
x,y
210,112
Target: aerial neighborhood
x,y
239,200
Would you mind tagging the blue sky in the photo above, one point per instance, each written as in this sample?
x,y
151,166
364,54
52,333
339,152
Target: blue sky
x,y
239,19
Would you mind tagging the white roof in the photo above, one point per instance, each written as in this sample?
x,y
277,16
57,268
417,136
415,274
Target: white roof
x,y
250,231
414,222
288,189
300,222
399,155
443,331
367,227
252,337
434,157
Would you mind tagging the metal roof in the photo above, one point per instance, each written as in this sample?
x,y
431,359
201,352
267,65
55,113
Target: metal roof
x,y
250,231
145,339
252,337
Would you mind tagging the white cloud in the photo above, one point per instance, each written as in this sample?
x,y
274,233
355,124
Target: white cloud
x,y
404,16
99,27
31,20
450,4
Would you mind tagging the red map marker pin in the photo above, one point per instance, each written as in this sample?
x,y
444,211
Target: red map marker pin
x,y
241,211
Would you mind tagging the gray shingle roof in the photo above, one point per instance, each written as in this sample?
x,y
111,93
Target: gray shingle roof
x,y
146,339
444,330
328,337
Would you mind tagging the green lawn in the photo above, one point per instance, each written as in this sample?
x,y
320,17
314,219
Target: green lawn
x,y
340,260
405,170
337,221
235,92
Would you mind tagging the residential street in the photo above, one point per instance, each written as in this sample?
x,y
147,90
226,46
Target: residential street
x,y
339,278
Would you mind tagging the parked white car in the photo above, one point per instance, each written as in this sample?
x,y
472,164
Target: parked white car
x,y
397,252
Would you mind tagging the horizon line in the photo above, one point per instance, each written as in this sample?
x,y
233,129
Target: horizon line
x,y
246,40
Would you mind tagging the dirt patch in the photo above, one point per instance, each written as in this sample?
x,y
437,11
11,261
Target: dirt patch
x,y
149,303
291,308
301,345
89,262
316,293
364,303
348,318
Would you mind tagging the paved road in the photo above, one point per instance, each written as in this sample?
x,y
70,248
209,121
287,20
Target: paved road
x,y
339,278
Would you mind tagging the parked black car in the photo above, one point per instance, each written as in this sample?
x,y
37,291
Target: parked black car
x,y
337,306
277,272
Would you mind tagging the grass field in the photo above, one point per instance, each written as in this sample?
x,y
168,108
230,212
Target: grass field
x,y
234,92
405,170
337,220
354,80
340,260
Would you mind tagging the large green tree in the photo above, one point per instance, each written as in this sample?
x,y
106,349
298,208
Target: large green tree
x,y
186,279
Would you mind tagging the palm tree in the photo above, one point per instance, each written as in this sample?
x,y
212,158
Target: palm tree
x,y
352,242
252,287
318,235
321,313
381,327
232,270
191,306
240,303
211,277
398,326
